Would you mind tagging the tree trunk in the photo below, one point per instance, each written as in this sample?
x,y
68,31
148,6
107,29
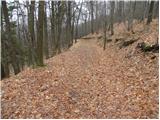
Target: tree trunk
x,y
46,35
4,53
10,39
53,29
69,24
91,4
111,15
18,28
131,16
105,26
4,70
60,15
120,11
77,21
156,11
150,13
32,47
16,67
97,22
73,26
40,34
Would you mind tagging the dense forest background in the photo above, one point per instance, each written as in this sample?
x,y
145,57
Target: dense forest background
x,y
32,31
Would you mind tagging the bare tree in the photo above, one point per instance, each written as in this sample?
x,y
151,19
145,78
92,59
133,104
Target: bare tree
x,y
4,52
149,19
46,33
91,5
131,15
40,33
31,42
77,21
68,26
11,40
156,9
105,26
53,28
112,3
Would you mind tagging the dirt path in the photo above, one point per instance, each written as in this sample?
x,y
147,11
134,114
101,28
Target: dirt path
x,y
84,82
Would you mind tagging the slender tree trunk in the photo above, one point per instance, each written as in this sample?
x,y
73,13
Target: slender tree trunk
x,y
4,70
131,16
123,13
72,25
146,10
76,34
105,26
97,22
91,4
112,15
69,24
10,39
72,30
18,28
32,47
58,41
19,34
4,52
46,35
40,33
150,12
60,15
16,67
156,11
53,28
144,7
120,11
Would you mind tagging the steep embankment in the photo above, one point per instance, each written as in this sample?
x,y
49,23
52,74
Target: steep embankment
x,y
86,82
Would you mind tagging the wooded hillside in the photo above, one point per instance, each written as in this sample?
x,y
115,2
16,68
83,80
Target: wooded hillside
x,y
33,31
79,59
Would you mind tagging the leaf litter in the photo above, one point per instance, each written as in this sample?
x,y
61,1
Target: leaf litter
x,y
87,82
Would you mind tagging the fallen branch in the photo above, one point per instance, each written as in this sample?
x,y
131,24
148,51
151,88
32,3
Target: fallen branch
x,y
100,37
109,40
148,48
87,37
126,43
119,39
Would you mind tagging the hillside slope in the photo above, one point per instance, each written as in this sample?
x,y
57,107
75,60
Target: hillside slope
x,y
87,82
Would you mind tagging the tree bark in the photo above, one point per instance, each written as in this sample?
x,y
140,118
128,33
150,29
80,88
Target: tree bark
x,y
59,15
69,24
73,25
53,29
46,34
11,40
131,16
111,15
77,21
91,4
156,11
97,22
120,11
4,53
105,26
40,33
149,19
32,42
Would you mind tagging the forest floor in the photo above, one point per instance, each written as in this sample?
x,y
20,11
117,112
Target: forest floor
x,y
87,82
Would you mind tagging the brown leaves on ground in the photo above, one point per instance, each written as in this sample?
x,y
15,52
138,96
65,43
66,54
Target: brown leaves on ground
x,y
86,82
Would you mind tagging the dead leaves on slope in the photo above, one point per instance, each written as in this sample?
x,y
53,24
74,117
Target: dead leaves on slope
x,y
85,82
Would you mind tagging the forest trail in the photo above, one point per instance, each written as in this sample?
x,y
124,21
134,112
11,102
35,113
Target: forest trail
x,y
85,82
